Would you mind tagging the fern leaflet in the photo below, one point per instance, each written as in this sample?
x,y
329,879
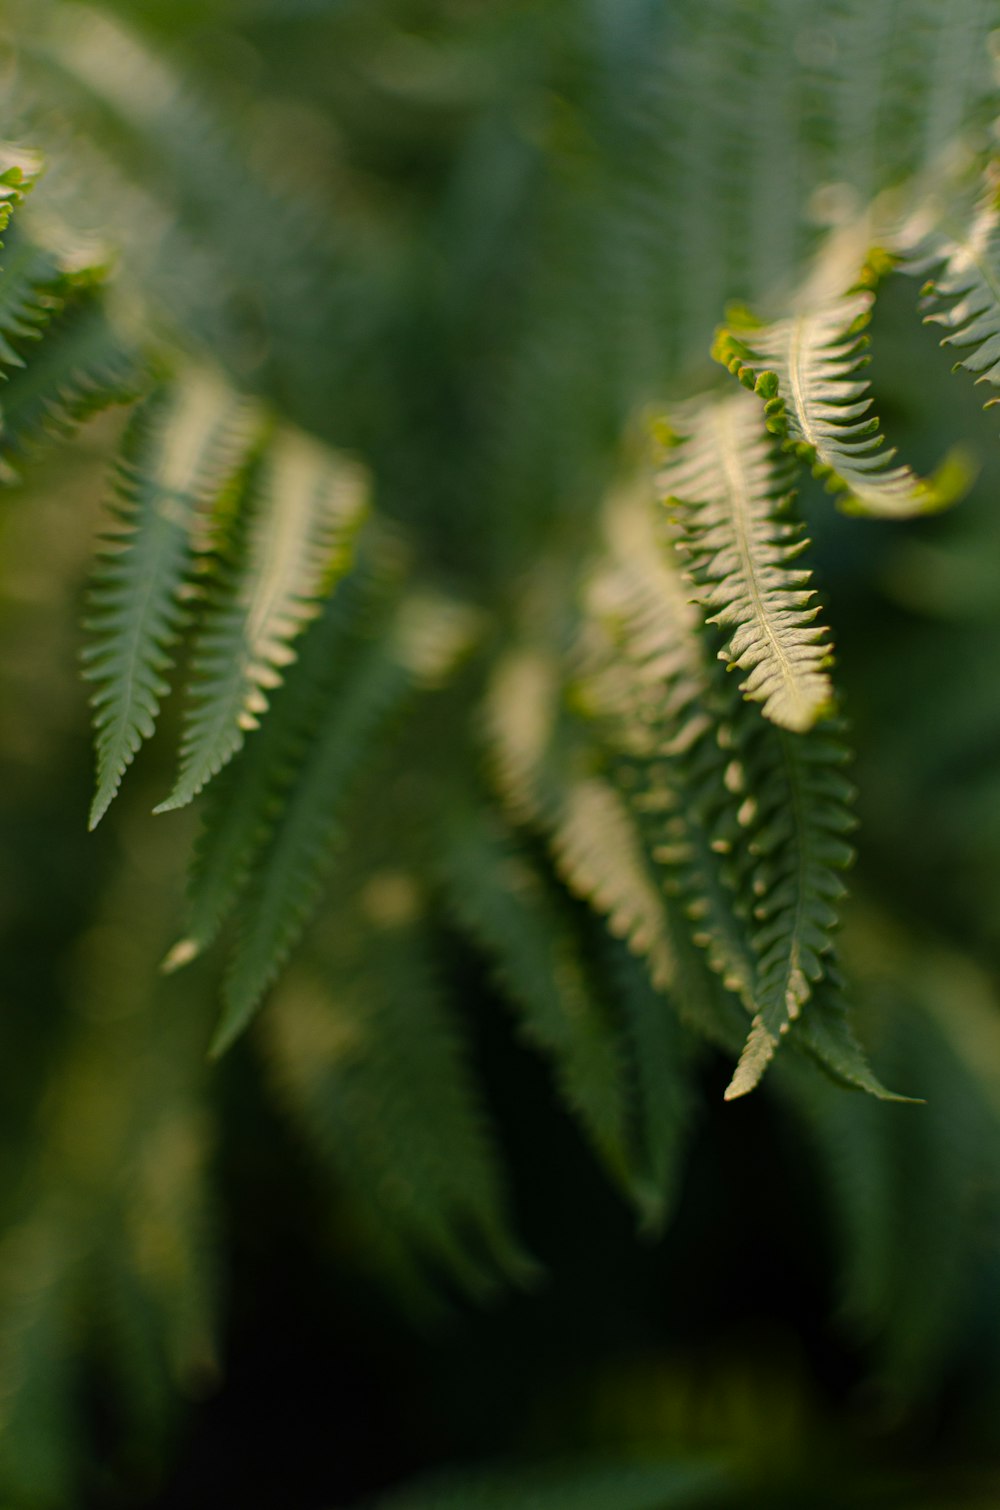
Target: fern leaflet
x,y
731,497
806,369
80,368
798,849
244,804
419,645
177,450
504,904
963,294
293,542
548,769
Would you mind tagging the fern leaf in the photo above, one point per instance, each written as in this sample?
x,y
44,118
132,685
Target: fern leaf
x,y
963,293
678,736
659,1059
368,1057
798,847
731,496
807,370
826,1034
648,680
175,453
80,368
29,297
548,771
304,509
244,804
418,648
503,903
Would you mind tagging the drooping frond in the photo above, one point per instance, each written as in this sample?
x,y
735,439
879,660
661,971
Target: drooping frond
x,y
178,451
58,358
369,1058
807,370
731,494
660,1053
647,677
797,849
415,648
679,740
81,367
516,916
549,773
962,295
244,803
292,540
31,285
826,1033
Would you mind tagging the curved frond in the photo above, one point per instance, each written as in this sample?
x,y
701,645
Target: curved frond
x,y
506,907
549,774
178,450
80,368
797,846
295,536
419,645
962,295
807,370
660,1055
30,286
730,491
826,1033
648,680
245,802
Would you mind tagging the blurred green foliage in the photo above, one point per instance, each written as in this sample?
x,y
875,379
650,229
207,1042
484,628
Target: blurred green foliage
x,y
468,242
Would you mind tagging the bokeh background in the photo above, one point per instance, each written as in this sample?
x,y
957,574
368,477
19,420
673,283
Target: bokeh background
x,y
495,228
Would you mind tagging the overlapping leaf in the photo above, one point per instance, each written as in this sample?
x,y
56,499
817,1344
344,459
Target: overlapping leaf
x,y
962,295
807,369
291,541
731,496
179,449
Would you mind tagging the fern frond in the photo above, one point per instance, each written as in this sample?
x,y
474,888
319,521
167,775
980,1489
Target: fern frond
x,y
660,1055
962,295
826,1033
548,774
178,449
731,495
647,678
417,648
798,847
80,368
505,905
807,370
244,803
678,736
368,1057
295,540
31,283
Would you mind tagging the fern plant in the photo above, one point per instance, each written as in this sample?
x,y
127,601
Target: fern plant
x,y
452,654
